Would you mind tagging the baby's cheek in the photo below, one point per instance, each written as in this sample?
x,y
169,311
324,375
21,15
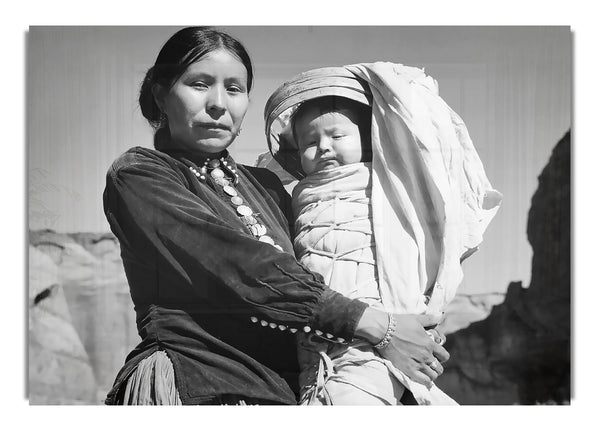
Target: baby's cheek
x,y
307,161
308,154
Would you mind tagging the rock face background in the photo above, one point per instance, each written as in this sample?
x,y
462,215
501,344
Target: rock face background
x,y
81,319
505,349
521,353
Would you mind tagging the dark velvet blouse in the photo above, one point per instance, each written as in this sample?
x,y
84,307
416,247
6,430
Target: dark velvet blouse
x,y
222,304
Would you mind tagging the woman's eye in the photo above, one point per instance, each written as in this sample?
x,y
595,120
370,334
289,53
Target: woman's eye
x,y
235,89
337,136
199,85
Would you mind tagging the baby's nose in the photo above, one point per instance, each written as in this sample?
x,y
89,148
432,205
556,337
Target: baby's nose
x,y
325,144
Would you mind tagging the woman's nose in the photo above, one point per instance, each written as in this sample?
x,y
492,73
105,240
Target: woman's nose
x,y
216,100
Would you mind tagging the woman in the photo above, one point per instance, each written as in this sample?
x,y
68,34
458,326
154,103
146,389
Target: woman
x,y
205,245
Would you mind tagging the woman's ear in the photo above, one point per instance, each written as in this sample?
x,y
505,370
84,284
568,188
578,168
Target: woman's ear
x,y
158,92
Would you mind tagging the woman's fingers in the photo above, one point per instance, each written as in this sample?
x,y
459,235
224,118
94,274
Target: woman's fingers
x,y
412,349
440,353
429,320
422,378
428,372
436,367
432,368
443,339
436,336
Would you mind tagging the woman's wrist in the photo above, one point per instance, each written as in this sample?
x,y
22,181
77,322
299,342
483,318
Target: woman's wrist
x,y
372,326
389,333
337,314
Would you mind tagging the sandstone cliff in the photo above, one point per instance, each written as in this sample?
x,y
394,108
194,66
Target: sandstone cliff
x,y
521,353
81,320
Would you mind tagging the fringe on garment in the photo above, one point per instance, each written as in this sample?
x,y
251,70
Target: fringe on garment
x,y
152,382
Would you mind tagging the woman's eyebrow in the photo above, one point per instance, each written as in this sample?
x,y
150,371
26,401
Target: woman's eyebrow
x,y
198,75
237,79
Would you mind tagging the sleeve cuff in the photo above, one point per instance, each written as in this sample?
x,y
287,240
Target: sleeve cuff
x,y
337,315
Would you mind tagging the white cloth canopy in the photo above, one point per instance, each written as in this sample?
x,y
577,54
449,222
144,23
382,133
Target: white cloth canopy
x,y
428,180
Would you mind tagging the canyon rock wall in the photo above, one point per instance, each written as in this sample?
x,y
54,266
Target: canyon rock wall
x,y
521,353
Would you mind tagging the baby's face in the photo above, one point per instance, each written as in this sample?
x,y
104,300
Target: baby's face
x,y
327,140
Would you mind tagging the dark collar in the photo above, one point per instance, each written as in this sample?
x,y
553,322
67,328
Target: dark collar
x,y
199,159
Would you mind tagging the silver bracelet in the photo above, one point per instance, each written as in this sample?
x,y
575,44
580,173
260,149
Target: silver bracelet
x,y
388,333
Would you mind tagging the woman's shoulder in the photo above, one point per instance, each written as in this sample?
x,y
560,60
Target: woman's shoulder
x,y
140,156
264,176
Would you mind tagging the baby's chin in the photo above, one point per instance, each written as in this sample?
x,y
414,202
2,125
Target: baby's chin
x,y
328,164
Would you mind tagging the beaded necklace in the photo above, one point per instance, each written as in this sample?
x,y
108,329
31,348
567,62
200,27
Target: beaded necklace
x,y
218,170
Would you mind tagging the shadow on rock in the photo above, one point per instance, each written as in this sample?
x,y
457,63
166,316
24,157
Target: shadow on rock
x,y
521,353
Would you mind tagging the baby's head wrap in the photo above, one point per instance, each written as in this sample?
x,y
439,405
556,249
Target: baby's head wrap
x,y
327,81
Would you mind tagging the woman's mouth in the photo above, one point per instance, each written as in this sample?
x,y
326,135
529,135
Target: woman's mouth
x,y
213,127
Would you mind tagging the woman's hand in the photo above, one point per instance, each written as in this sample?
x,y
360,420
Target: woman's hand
x,y
436,336
412,350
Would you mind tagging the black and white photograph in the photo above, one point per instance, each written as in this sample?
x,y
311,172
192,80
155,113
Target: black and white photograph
x,y
251,216
429,175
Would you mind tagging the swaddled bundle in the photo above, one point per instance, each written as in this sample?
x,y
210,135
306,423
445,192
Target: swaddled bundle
x,y
334,237
334,234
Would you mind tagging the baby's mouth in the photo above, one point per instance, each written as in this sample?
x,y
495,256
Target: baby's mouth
x,y
328,161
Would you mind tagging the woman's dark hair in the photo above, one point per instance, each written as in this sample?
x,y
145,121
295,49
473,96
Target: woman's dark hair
x,y
360,111
182,50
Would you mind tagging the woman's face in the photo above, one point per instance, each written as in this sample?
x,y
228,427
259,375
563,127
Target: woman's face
x,y
206,105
